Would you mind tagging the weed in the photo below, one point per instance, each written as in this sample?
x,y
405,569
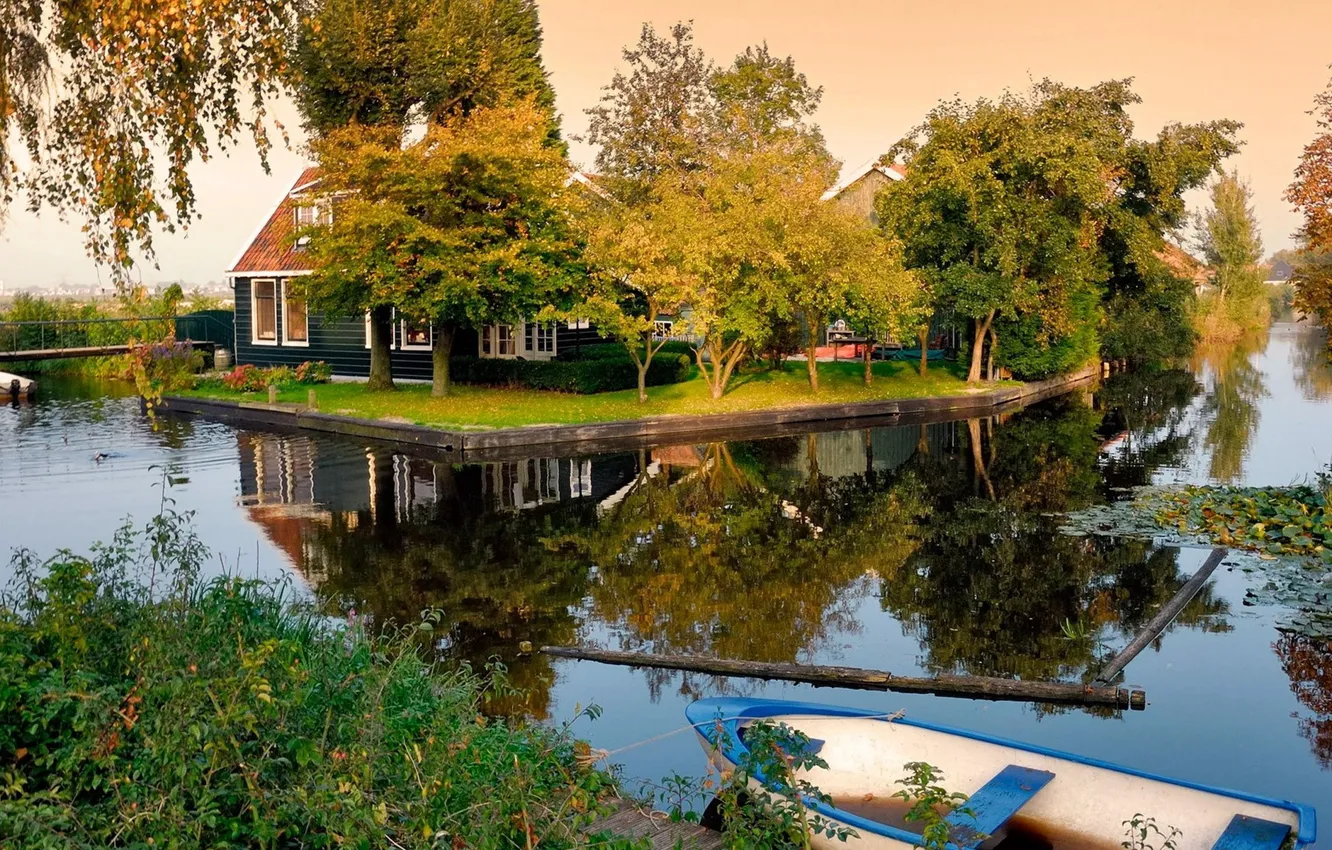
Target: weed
x,y
1141,833
931,803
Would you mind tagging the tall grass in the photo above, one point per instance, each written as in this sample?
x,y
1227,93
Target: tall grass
x,y
142,705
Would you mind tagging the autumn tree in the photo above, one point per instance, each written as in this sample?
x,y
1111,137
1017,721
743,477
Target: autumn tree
x,y
461,229
1311,193
380,67
111,102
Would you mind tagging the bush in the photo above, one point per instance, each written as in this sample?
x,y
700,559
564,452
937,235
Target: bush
x,y
598,374
162,367
142,706
249,378
616,351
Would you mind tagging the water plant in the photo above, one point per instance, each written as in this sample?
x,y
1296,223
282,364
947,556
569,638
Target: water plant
x,y
1271,520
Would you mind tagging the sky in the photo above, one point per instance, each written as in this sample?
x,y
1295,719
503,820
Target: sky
x,y
882,63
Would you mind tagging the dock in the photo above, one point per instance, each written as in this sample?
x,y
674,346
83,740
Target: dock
x,y
633,821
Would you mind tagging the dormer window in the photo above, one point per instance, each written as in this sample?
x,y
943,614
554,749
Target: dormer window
x,y
309,215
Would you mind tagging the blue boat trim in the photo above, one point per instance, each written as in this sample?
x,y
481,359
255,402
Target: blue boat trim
x,y
730,711
996,803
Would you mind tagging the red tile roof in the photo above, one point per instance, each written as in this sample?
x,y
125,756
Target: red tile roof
x,y
269,250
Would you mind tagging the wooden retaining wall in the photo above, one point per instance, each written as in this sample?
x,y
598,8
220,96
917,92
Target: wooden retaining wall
x,y
507,443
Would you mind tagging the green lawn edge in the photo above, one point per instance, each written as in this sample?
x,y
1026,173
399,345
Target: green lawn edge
x,y
472,407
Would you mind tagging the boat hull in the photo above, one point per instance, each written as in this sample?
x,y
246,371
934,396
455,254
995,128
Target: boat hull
x,y
1086,804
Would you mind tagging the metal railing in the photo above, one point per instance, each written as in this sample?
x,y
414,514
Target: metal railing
x,y
92,333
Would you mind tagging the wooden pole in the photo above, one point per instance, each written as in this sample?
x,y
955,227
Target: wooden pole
x,y
1163,618
975,687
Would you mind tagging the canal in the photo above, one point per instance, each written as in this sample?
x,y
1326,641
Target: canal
x,y
915,549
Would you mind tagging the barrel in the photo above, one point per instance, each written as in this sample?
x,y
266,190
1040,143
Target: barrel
x,y
221,358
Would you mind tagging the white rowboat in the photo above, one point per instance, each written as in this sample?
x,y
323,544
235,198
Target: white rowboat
x,y
1020,796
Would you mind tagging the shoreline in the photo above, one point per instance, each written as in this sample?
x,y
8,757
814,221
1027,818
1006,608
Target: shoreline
x,y
589,438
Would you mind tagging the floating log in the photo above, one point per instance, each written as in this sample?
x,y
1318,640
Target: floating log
x,y
1163,618
974,687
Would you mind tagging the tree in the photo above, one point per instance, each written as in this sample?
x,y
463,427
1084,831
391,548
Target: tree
x,y
1227,235
835,263
651,119
461,229
1312,275
639,273
112,102
1311,191
1028,214
373,68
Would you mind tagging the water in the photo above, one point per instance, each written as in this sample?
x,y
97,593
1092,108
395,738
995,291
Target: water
x,y
920,549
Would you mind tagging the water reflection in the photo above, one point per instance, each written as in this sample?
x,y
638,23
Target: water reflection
x,y
1312,364
770,550
1308,663
1233,405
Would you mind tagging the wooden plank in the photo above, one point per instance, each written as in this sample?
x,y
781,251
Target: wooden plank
x,y
635,822
995,804
974,687
1246,833
1163,618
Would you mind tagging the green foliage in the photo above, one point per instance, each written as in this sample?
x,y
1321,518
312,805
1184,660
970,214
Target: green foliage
x,y
1017,206
162,367
599,374
141,705
1142,833
764,800
1313,288
1272,520
931,803
1228,237
1030,354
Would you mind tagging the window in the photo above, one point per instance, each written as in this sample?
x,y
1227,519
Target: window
x,y
540,337
263,311
295,319
499,341
663,329
314,214
416,335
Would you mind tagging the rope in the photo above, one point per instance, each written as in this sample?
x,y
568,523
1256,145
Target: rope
x,y
597,755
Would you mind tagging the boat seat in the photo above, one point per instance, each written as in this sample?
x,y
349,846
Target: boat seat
x,y
1246,833
994,804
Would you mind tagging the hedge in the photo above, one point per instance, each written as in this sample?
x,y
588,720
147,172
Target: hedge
x,y
616,351
585,377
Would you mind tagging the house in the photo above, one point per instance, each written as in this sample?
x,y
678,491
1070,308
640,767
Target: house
x,y
1186,266
1279,273
274,328
858,187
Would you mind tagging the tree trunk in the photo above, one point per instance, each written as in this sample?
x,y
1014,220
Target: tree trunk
x,y
923,337
439,357
869,362
381,349
978,347
994,343
811,352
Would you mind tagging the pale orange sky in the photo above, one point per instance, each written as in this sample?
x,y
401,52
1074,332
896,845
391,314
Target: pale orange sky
x,y
882,66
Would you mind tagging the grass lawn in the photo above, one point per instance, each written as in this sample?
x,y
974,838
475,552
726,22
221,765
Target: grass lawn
x,y
471,407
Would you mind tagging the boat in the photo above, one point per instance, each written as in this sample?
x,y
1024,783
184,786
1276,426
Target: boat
x,y
15,386
1019,795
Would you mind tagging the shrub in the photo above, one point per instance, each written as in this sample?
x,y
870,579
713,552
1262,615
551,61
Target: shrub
x,y
142,706
249,378
162,367
598,374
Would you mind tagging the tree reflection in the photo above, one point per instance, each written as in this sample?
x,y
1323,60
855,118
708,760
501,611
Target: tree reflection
x,y
1146,419
1308,664
1237,388
1313,368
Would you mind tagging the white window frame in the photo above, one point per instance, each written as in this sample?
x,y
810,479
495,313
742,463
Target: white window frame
x,y
286,338
491,333
536,329
393,341
321,216
663,328
411,346
254,312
